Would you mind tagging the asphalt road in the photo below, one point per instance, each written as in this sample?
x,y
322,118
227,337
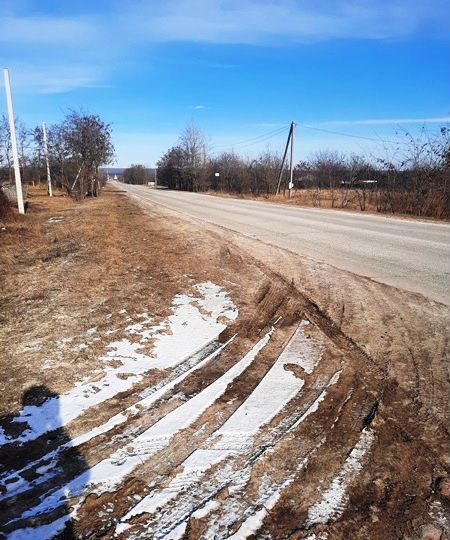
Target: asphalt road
x,y
409,254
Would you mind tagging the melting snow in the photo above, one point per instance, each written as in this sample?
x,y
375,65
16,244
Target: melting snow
x,y
253,523
21,485
333,500
275,390
303,350
107,474
187,330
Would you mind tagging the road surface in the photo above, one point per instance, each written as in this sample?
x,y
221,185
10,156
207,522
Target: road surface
x,y
409,254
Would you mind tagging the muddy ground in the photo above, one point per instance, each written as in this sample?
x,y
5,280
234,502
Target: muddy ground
x,y
360,451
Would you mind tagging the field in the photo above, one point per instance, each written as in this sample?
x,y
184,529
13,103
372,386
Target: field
x,y
161,379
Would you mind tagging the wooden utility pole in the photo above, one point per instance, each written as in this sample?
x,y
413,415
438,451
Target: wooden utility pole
x,y
49,180
291,175
12,132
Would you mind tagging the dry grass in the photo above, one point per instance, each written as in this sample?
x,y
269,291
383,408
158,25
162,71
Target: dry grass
x,y
326,198
66,267
6,212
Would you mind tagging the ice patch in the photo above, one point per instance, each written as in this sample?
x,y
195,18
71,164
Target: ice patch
x,y
177,533
42,533
158,392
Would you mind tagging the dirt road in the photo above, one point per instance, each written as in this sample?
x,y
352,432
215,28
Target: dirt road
x,y
412,255
173,381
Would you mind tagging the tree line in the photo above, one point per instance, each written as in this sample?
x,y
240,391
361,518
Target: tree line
x,y
77,147
411,177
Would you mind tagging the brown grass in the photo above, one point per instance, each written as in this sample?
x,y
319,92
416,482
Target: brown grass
x,y
62,276
325,198
6,212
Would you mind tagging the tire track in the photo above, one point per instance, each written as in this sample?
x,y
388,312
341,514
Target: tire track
x,y
109,473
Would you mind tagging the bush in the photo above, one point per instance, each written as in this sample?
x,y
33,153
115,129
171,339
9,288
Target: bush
x,y
5,206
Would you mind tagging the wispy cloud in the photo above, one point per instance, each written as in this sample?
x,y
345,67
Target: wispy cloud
x,y
275,22
101,40
199,107
46,30
55,79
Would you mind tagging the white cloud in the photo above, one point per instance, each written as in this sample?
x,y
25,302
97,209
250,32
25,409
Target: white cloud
x,y
54,79
108,40
82,50
46,30
256,22
199,107
54,54
276,22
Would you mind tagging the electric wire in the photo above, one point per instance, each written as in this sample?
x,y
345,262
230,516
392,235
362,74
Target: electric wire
x,y
271,134
255,140
307,126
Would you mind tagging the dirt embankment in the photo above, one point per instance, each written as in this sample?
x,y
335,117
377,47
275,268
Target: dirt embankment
x,y
359,451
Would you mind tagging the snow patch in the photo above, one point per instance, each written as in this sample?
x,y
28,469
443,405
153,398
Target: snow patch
x,y
209,507
107,474
332,503
274,391
304,350
187,330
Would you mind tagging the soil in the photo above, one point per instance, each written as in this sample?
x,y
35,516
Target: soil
x,y
68,268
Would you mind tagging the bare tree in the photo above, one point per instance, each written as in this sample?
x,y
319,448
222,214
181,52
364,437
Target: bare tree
x,y
194,144
171,169
136,174
229,167
5,150
87,141
194,147
412,178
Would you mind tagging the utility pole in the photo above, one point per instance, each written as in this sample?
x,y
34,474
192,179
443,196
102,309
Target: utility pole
x,y
289,141
12,131
49,180
291,175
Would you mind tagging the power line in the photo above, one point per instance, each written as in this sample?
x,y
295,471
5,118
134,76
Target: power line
x,y
271,134
307,126
255,140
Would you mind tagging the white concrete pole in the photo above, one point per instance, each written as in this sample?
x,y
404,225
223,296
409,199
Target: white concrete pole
x,y
12,130
49,180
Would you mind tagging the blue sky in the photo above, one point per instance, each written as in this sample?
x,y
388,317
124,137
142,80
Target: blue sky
x,y
240,68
